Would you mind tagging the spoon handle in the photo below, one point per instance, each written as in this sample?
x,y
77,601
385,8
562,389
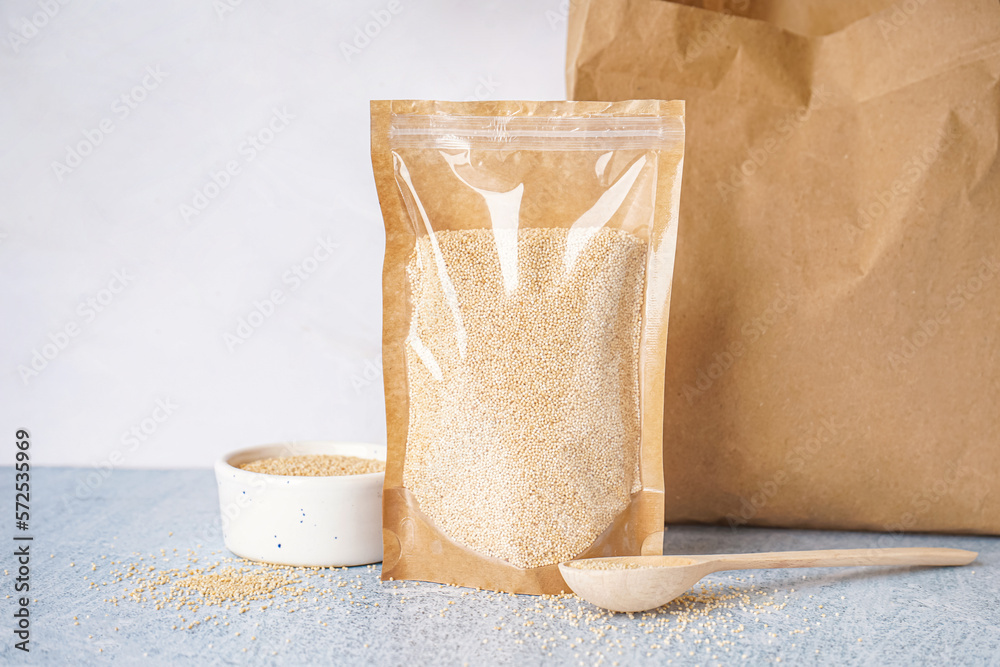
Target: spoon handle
x,y
843,558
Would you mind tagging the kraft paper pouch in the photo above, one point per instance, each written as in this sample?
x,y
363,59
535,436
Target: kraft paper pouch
x,y
834,357
529,256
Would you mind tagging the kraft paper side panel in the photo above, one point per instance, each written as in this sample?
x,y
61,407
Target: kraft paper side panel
x,y
834,356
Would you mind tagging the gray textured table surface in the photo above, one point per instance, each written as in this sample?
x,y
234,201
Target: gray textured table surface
x,y
822,616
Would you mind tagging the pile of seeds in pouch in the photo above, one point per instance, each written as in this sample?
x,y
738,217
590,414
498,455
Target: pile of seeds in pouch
x,y
522,360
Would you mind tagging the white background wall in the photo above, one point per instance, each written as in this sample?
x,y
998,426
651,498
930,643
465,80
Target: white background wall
x,y
123,300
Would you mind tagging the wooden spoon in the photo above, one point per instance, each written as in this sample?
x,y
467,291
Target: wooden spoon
x,y
637,583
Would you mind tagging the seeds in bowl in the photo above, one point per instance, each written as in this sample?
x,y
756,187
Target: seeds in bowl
x,y
315,465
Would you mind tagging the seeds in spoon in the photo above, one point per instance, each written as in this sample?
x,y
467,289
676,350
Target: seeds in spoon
x,y
618,564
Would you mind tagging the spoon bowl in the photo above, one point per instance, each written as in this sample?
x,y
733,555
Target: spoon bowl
x,y
638,583
633,583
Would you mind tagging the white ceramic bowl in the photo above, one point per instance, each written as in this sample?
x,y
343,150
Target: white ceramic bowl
x,y
310,521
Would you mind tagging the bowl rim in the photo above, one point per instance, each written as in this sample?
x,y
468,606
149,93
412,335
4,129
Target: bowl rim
x,y
299,447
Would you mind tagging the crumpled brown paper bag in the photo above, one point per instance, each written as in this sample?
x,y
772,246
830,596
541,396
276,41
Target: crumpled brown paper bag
x,y
834,352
